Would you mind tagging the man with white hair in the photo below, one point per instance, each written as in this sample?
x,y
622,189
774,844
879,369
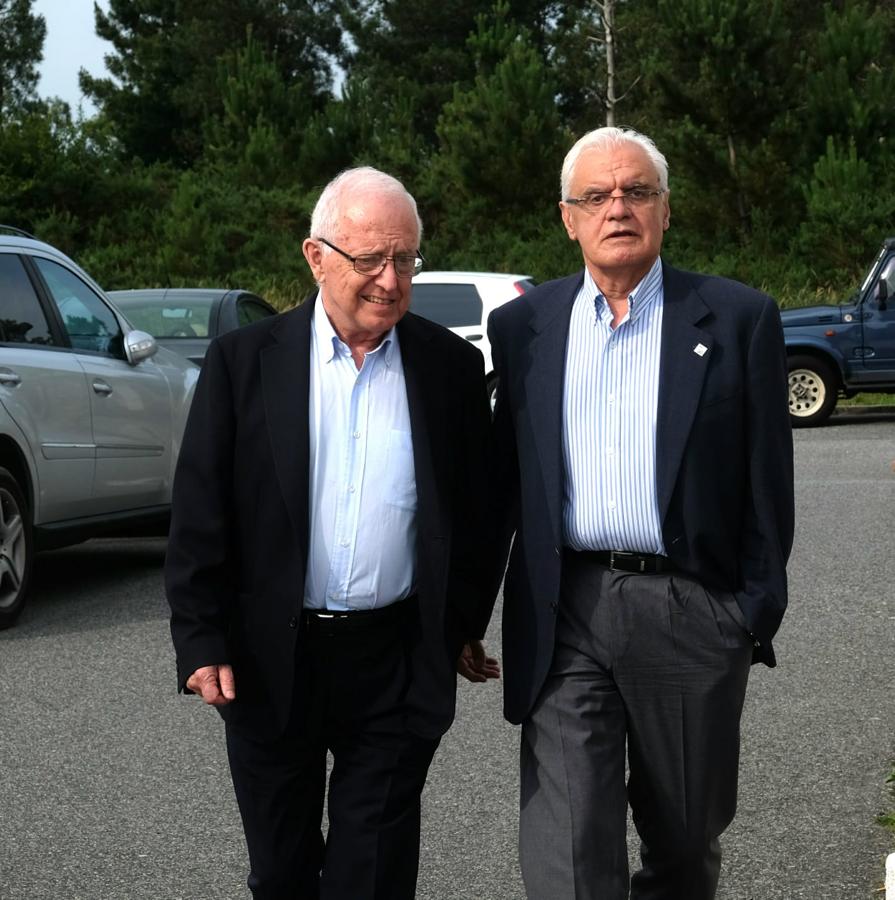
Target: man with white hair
x,y
325,565
644,463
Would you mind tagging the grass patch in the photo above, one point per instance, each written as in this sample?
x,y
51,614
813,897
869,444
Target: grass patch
x,y
887,820
869,400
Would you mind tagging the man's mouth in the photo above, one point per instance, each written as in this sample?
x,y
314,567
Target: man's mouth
x,y
620,234
379,301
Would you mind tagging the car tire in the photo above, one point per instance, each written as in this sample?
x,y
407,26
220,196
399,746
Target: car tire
x,y
813,389
16,549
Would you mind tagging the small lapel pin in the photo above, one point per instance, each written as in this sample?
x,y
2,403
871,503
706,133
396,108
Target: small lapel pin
x,y
700,349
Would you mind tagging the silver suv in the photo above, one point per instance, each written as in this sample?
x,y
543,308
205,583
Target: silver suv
x,y
91,414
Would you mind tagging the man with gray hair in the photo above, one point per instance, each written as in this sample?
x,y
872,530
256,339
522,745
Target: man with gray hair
x,y
644,463
325,565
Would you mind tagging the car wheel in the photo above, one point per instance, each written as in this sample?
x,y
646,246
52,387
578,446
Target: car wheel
x,y
813,387
492,391
16,549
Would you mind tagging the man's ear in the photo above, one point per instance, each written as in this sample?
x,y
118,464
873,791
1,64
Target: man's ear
x,y
567,220
313,253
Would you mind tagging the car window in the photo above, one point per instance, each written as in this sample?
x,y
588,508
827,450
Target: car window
x,y
178,318
22,320
89,322
248,311
448,304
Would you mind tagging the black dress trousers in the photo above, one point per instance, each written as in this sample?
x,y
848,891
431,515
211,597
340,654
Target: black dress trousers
x,y
351,680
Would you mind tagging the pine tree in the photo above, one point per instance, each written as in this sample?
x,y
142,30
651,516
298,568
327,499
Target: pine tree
x,y
165,64
22,35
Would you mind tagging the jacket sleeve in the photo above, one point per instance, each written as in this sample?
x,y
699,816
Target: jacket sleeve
x,y
199,576
470,597
767,532
503,466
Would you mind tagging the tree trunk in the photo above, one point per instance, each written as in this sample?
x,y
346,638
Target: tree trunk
x,y
607,13
741,200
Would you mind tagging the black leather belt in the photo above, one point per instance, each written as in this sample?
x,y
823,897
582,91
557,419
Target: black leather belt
x,y
337,621
626,561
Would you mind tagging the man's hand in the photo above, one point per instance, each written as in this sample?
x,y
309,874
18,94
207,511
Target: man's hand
x,y
474,665
214,684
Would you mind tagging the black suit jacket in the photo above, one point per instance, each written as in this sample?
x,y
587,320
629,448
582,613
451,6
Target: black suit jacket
x,y
724,457
238,544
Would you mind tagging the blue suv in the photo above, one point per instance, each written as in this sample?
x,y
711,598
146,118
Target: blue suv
x,y
842,350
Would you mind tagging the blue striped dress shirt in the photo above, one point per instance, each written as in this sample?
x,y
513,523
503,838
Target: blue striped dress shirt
x,y
610,400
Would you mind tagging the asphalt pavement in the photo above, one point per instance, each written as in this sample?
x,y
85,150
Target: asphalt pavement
x,y
112,787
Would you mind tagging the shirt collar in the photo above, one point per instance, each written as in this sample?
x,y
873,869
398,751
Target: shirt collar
x,y
642,296
329,344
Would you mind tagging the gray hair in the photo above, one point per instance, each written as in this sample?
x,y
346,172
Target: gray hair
x,y
604,139
351,184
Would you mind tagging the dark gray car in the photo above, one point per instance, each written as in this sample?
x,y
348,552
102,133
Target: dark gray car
x,y
186,319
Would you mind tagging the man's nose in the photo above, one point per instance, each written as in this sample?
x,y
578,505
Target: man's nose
x,y
388,277
617,207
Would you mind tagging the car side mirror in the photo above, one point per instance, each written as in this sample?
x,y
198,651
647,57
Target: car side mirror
x,y
882,294
139,345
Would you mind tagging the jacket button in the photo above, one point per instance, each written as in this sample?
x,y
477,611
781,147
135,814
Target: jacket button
x,y
554,605
293,622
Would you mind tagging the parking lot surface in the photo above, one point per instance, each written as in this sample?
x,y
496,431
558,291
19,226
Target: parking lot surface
x,y
114,788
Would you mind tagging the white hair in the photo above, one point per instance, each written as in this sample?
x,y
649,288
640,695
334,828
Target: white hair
x,y
604,139
349,185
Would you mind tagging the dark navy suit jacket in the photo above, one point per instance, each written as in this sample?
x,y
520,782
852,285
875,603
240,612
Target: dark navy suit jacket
x,y
238,544
723,456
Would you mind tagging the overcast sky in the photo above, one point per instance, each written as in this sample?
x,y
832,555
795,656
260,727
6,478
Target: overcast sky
x,y
71,44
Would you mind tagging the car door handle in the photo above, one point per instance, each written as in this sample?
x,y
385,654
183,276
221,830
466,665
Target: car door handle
x,y
474,337
100,387
10,379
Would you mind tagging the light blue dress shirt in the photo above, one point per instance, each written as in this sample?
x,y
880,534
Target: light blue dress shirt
x,y
362,480
610,405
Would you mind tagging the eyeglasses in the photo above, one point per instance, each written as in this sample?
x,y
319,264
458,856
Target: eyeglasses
x,y
633,197
406,266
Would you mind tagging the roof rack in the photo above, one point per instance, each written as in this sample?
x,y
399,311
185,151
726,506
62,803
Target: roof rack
x,y
17,231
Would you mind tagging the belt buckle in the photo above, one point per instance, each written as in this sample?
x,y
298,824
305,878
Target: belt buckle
x,y
630,557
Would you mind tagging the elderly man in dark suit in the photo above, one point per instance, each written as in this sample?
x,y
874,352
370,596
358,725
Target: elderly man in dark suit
x,y
644,462
325,565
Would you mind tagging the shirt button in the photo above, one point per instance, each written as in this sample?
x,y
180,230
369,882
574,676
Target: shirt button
x,y
356,435
611,398
343,543
351,488
612,504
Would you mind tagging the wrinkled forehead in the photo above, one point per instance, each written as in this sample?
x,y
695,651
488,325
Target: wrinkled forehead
x,y
621,164
378,214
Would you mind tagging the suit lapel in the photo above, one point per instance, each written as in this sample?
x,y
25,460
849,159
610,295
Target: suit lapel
x,y
424,377
544,383
285,382
686,352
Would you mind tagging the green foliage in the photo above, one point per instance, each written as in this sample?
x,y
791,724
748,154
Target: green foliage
x,y
218,127
22,35
849,80
259,119
476,194
166,64
849,205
